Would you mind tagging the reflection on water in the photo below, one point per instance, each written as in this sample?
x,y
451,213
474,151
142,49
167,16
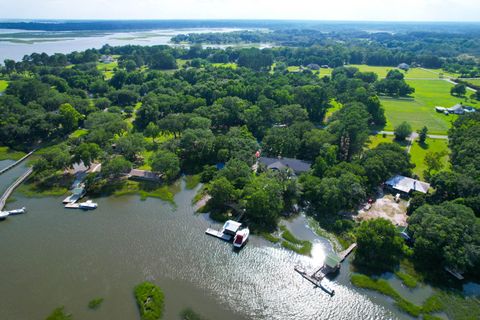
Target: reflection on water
x,y
52,256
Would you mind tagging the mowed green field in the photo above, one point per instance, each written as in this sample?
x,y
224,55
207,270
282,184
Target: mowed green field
x,y
418,153
414,73
420,111
107,68
472,81
3,85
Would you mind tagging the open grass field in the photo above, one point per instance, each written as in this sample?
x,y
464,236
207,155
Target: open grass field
x,y
420,111
107,69
321,73
472,81
418,153
8,154
414,73
335,107
3,85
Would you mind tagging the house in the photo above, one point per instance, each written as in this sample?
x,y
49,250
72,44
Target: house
x,y
403,66
405,185
137,174
313,66
325,66
456,109
106,59
440,109
296,165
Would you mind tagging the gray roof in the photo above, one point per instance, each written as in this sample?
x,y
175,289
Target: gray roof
x,y
406,184
298,166
143,174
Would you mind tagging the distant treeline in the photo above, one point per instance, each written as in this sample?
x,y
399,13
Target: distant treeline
x,y
428,49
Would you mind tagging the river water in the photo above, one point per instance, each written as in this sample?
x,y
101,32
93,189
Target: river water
x,y
66,42
52,256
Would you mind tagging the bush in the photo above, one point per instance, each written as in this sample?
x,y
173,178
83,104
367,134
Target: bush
x,y
95,303
150,301
402,131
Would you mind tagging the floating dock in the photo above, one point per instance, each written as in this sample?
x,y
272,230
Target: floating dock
x,y
72,206
218,234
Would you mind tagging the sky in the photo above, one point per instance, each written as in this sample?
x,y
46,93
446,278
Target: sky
x,y
360,10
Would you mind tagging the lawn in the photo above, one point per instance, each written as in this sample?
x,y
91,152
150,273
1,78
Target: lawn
x,y
78,133
420,111
414,73
3,85
418,152
231,65
335,107
8,154
107,68
475,82
321,73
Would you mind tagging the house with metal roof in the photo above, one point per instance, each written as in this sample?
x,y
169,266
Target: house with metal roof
x,y
296,165
406,185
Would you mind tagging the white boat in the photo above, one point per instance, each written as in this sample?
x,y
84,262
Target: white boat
x,y
241,237
4,215
88,205
17,211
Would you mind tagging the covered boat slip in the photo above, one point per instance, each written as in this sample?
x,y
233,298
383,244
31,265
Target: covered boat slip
x,y
228,231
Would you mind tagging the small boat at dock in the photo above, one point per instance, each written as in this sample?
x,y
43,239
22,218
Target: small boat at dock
x,y
241,238
4,215
17,211
88,205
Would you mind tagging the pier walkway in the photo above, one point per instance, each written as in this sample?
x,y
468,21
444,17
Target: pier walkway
x,y
17,162
8,192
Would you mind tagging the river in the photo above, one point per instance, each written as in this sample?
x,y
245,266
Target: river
x,y
53,256
65,42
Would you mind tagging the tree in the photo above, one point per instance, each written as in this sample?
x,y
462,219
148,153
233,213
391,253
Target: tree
x,y
151,131
422,135
163,60
281,142
263,201
129,145
458,90
446,235
222,192
433,161
116,167
86,153
166,163
379,245
403,131
350,127
237,172
69,117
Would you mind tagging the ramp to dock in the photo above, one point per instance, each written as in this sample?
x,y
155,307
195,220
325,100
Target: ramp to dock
x,y
8,192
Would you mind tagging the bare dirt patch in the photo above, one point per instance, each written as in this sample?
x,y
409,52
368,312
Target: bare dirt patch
x,y
386,207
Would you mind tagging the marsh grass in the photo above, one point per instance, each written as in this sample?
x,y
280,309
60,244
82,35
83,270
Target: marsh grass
x,y
303,247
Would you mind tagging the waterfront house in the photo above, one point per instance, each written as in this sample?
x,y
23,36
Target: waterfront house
x,y
137,174
106,59
405,185
296,165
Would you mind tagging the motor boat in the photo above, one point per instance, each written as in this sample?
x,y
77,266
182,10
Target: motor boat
x,y
88,205
240,238
17,211
4,215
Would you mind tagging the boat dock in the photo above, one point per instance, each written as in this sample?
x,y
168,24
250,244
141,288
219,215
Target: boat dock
x,y
8,192
218,234
331,265
72,206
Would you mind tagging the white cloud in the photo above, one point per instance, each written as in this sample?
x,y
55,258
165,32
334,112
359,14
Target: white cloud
x,y
386,10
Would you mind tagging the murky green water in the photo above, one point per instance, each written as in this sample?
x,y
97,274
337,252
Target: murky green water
x,y
52,256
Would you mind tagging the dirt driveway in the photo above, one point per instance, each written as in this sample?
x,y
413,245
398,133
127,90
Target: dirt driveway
x,y
386,207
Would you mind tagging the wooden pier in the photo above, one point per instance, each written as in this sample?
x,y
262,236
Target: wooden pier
x,y
331,265
17,162
8,192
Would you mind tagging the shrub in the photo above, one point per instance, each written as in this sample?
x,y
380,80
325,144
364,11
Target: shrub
x,y
150,301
